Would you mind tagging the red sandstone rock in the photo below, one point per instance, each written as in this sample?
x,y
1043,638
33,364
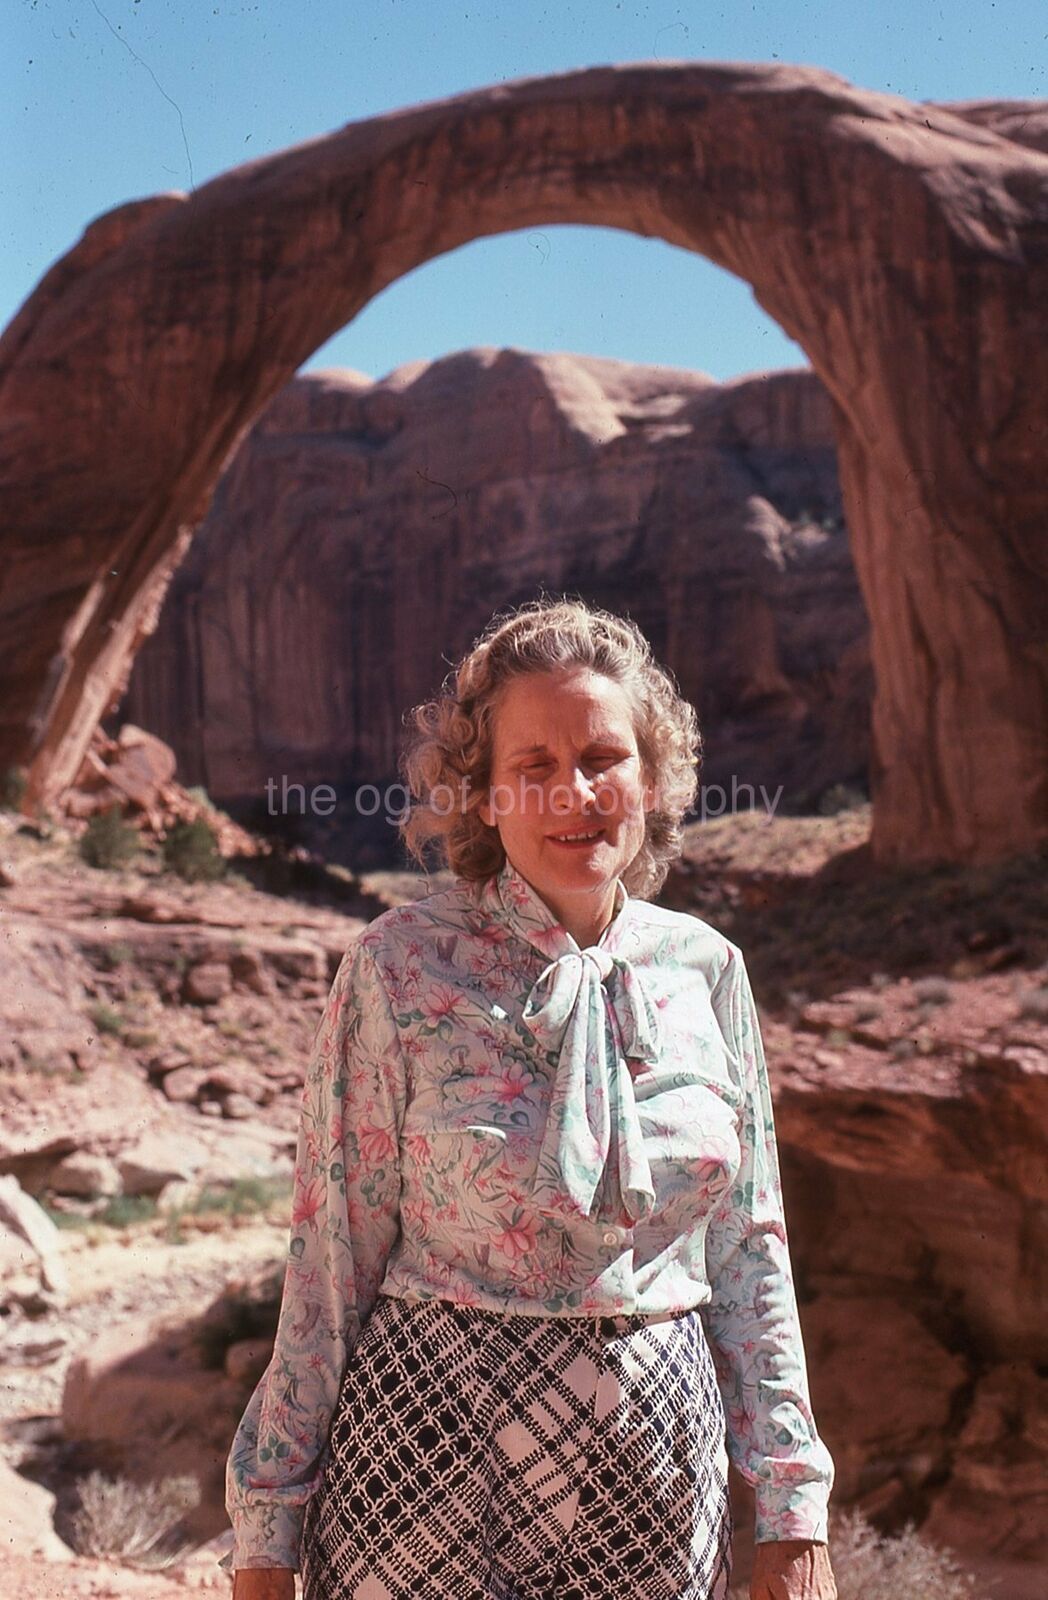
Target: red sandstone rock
x,y
134,773
902,245
711,512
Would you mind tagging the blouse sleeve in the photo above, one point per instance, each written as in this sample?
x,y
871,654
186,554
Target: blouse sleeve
x,y
752,1317
344,1222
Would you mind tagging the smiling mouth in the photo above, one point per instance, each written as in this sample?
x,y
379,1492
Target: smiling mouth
x,y
587,836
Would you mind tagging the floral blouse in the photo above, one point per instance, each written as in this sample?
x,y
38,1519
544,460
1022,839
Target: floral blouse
x,y
495,1117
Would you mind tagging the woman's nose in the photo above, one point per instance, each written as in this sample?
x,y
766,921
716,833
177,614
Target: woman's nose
x,y
579,786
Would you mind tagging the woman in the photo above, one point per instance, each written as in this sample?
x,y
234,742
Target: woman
x,y
538,1286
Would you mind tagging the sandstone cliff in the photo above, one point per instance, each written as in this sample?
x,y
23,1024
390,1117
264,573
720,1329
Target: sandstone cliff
x,y
366,531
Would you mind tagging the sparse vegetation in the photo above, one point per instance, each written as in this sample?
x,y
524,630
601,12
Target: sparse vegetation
x,y
13,784
114,955
933,991
109,842
50,1066
124,1209
136,1522
872,1566
840,797
140,1038
242,1197
191,851
1034,1005
106,1018
944,922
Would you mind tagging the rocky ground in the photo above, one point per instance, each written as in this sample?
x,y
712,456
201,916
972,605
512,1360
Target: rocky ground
x,y
153,1040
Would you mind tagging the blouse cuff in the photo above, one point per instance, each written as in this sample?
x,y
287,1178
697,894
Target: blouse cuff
x,y
267,1537
792,1512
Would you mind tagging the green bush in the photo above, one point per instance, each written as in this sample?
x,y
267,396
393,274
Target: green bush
x,y
106,1019
840,797
124,1209
114,955
191,851
13,786
108,841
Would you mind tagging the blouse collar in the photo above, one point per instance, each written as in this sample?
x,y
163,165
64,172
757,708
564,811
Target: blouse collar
x,y
589,1014
516,901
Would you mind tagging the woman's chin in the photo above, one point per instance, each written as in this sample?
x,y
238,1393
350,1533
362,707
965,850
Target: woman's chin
x,y
577,863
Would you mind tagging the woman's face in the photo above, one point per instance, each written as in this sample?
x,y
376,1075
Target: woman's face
x,y
566,763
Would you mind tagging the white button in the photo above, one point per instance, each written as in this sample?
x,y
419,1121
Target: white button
x,y
611,1237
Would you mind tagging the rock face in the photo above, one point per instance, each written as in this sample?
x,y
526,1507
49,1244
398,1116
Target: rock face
x,y
366,531
906,1031
937,1165
902,245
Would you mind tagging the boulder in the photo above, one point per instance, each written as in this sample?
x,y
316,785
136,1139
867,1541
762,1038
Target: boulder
x,y
85,1174
158,1159
26,1520
32,1272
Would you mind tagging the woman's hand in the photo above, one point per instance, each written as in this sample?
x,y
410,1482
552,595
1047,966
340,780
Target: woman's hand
x,y
792,1569
264,1583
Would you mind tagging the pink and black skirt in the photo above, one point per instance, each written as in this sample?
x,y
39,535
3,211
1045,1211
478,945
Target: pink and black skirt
x,y
482,1456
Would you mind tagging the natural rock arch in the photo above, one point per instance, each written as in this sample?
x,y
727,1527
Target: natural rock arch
x,y
903,246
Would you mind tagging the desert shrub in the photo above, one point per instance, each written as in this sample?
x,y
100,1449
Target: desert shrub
x,y
1034,1003
934,991
108,841
242,1197
13,784
191,851
49,1065
124,1209
117,1212
840,797
137,1522
140,1038
105,1018
872,1566
111,956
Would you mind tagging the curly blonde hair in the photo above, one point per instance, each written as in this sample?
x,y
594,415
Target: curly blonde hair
x,y
451,747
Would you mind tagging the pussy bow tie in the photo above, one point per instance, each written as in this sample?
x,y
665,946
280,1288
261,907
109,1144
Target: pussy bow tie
x,y
588,1008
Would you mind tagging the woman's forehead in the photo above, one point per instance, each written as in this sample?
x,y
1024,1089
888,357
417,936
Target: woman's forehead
x,y
539,706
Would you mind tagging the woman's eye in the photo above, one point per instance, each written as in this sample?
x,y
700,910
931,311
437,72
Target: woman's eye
x,y
598,762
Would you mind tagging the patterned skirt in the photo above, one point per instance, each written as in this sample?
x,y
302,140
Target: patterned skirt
x,y
483,1456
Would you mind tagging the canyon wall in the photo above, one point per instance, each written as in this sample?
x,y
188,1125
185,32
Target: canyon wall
x,y
366,531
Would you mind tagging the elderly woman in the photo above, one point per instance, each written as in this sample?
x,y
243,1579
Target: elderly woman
x,y
538,1287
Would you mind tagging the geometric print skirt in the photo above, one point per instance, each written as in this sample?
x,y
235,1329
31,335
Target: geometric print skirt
x,y
483,1456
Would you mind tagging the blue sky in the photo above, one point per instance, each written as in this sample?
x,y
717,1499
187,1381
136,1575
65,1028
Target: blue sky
x,y
102,101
